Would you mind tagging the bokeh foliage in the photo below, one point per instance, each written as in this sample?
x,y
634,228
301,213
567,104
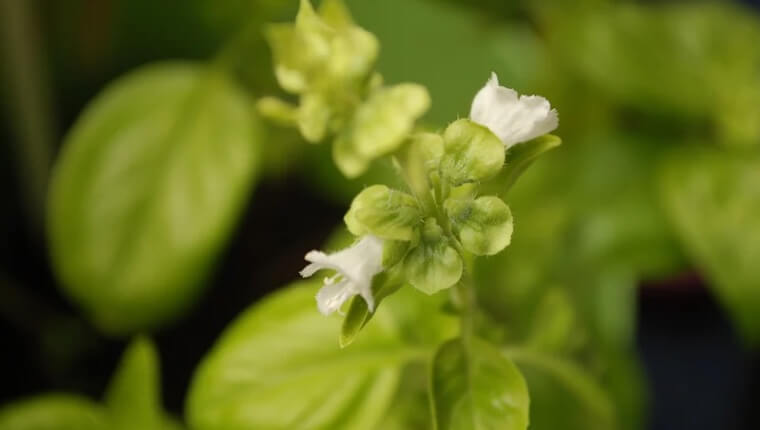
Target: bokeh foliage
x,y
146,190
660,116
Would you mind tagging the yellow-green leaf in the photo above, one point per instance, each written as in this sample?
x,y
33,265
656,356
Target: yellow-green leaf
x,y
475,387
148,186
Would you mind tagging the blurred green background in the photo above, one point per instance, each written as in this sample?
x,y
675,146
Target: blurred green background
x,y
636,246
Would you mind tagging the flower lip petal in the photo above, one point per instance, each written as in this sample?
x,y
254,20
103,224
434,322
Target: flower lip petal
x,y
332,296
514,119
355,267
319,260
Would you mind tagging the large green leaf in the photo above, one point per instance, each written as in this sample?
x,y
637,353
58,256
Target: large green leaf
x,y
149,183
563,394
475,387
411,406
279,366
54,412
713,198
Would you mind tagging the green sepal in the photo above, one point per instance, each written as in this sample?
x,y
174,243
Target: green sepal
x,y
307,19
522,155
321,51
348,161
430,147
472,153
313,116
433,265
374,82
277,110
383,122
484,225
465,191
394,251
386,213
323,55
353,50
336,14
379,126
352,55
297,54
420,158
358,315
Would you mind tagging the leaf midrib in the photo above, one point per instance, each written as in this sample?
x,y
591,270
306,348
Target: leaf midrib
x,y
366,361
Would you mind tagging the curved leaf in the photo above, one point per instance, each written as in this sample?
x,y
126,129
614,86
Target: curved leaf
x,y
433,265
484,225
383,212
472,152
563,385
278,367
379,126
149,183
384,120
54,412
475,387
358,314
520,157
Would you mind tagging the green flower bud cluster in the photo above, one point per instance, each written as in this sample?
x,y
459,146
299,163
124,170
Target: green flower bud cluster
x,y
430,231
327,62
427,234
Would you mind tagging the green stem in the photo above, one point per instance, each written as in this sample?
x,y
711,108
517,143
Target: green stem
x,y
466,290
432,204
571,376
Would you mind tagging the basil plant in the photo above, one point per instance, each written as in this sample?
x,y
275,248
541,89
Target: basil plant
x,y
386,329
425,236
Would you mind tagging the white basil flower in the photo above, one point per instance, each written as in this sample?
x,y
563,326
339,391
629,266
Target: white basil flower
x,y
513,119
355,267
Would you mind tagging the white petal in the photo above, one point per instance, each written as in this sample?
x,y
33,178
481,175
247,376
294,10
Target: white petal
x,y
355,267
363,260
489,98
513,119
319,260
332,296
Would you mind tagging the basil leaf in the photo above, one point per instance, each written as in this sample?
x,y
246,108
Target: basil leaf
x,y
147,188
475,387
